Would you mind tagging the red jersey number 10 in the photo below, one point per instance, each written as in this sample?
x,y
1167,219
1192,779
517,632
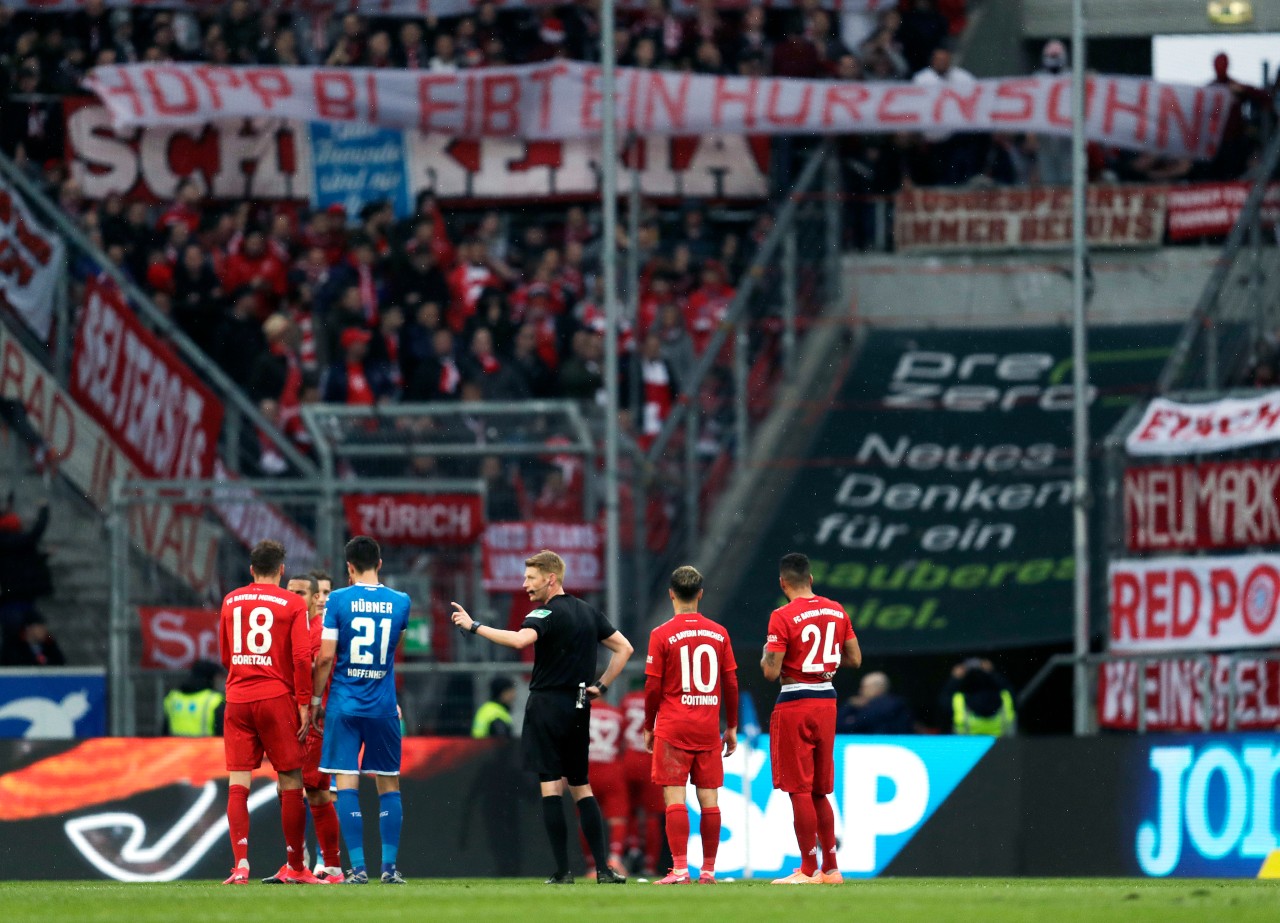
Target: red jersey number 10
x,y
824,655
703,657
258,639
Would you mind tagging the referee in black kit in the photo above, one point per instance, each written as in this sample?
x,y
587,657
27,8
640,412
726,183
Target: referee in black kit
x,y
564,632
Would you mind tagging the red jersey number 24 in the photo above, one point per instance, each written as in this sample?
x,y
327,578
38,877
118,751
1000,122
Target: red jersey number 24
x,y
824,655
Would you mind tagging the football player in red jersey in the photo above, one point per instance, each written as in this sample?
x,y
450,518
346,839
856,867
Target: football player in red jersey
x,y
690,671
266,649
607,777
315,783
809,639
644,797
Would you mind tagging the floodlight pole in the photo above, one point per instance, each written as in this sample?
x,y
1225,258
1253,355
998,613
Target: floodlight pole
x,y
609,258
1080,370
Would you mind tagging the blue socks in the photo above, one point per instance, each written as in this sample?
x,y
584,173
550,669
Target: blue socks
x,y
390,819
352,823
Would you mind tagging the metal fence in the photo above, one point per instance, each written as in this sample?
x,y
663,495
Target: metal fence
x,y
1240,304
210,526
676,477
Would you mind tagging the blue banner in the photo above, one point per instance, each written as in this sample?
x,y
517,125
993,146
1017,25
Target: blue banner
x,y
353,166
1206,805
53,703
886,788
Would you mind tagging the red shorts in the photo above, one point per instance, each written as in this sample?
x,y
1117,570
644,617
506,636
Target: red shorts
x,y
270,726
802,739
642,793
312,777
609,785
675,766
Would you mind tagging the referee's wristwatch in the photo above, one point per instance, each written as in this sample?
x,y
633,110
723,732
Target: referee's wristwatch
x,y
475,626
601,685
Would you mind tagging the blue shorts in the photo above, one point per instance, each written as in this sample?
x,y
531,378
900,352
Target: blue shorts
x,y
345,734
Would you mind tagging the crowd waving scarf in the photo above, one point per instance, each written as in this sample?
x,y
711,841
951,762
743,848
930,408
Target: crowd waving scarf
x,y
562,101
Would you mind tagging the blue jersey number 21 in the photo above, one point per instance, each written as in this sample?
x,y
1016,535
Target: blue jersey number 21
x,y
367,630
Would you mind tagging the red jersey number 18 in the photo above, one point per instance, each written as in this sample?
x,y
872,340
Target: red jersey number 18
x,y
691,668
258,639
824,655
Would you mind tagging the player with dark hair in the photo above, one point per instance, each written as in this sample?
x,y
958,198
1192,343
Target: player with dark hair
x,y
325,584
690,672
810,638
565,633
266,650
314,782
364,624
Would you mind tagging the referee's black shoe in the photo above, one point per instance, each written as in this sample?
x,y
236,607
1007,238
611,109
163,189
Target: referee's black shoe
x,y
608,876
560,879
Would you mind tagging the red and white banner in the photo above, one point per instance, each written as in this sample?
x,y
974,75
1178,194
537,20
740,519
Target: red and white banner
x,y
1172,693
251,519
1172,428
273,159
439,9
31,262
163,417
562,100
185,546
1187,507
1211,209
175,638
1194,604
423,520
508,544
1025,219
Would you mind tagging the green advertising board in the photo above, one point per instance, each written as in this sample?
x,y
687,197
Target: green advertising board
x,y
935,503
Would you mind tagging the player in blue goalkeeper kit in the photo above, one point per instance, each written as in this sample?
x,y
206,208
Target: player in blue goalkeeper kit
x,y
363,626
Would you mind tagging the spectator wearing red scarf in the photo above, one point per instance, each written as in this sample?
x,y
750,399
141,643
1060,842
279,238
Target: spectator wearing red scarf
x,y
467,283
355,380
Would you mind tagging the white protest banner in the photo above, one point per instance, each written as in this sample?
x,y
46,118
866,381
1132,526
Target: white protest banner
x,y
1194,604
1172,428
562,100
31,260
275,159
440,9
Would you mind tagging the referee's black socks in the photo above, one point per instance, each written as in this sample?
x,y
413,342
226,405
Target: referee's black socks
x,y
592,822
558,830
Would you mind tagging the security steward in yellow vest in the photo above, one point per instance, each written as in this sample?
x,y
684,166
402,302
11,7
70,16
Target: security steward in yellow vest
x,y
493,718
196,707
979,700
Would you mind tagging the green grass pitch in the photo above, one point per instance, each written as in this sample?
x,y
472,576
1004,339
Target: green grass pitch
x,y
911,900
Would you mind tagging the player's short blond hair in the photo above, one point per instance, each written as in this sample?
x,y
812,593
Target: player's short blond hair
x,y
548,562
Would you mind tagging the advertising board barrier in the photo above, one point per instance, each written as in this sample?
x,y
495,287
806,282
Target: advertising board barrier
x,y
935,501
149,809
53,703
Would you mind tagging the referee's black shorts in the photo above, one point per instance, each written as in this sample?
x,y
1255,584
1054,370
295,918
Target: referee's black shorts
x,y
556,736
